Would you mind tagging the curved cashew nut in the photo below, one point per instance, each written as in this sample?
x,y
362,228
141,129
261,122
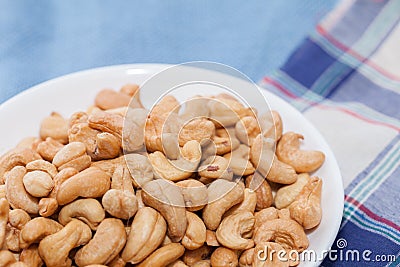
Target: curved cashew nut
x,y
42,165
263,215
247,129
37,229
70,152
31,257
109,99
147,233
107,122
90,183
163,256
38,183
16,157
231,229
111,232
198,129
120,201
287,194
246,258
211,239
47,206
181,168
306,209
195,235
49,148
140,168
224,257
288,151
168,200
248,204
271,125
87,210
215,168
222,195
16,193
194,193
54,249
133,135
288,233
4,213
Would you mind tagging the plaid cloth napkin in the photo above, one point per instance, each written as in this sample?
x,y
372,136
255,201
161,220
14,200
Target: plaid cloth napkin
x,y
345,78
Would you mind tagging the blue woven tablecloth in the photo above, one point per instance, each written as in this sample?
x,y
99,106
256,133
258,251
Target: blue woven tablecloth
x,y
345,77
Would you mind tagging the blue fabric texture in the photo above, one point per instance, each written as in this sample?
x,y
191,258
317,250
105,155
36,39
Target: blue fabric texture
x,y
40,41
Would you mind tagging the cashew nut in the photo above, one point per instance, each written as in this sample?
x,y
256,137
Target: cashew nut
x,y
215,167
196,129
30,256
140,168
224,257
306,209
168,200
49,148
42,165
120,201
111,232
16,157
133,132
72,155
6,258
90,183
248,204
192,256
109,99
195,235
288,151
4,213
87,210
222,196
56,127
47,206
38,183
287,194
263,191
37,229
271,125
263,215
54,249
246,258
194,193
211,239
288,233
16,193
247,129
231,229
163,256
18,218
148,232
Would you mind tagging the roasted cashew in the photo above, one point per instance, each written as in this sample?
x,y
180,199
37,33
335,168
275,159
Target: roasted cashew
x,y
16,193
37,229
30,256
195,107
38,183
192,256
271,125
248,204
163,256
263,191
224,257
232,228
181,168
287,194
132,90
12,239
49,148
16,157
54,249
56,127
107,122
211,239
90,183
133,132
288,233
42,165
168,200
306,209
195,235
215,168
72,155
194,193
263,215
6,258
47,206
247,129
88,210
18,218
109,99
140,168
281,173
111,232
147,233
246,258
202,263
226,110
240,166
4,213
222,196
198,129
288,151
120,201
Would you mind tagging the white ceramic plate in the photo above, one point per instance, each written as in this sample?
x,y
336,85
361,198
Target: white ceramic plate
x,y
21,116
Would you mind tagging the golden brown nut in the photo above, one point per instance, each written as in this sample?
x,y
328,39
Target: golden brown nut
x,y
262,189
224,257
195,235
192,256
37,229
163,256
56,127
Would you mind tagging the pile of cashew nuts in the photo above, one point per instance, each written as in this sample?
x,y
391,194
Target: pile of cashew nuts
x,y
117,185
